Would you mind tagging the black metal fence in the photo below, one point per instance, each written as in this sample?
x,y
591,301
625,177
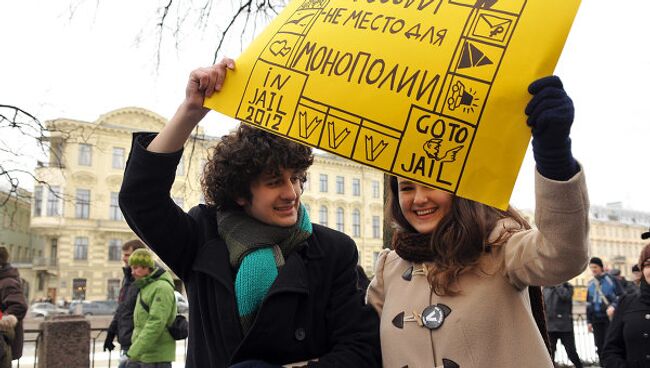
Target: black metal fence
x,y
100,359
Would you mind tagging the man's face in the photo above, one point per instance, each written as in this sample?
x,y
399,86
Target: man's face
x,y
596,270
275,198
125,256
636,276
139,272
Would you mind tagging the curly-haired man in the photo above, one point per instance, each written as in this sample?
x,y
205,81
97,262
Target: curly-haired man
x,y
266,287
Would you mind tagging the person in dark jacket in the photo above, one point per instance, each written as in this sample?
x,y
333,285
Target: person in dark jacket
x,y
628,337
558,301
628,287
265,285
12,301
122,324
603,293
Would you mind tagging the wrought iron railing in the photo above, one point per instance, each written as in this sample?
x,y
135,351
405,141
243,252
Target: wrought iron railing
x,y
99,359
584,345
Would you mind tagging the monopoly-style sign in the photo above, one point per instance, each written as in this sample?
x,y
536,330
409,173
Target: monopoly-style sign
x,y
431,90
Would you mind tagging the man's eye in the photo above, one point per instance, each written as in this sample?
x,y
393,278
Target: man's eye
x,y
405,189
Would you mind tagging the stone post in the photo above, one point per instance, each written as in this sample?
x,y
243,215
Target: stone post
x,y
65,342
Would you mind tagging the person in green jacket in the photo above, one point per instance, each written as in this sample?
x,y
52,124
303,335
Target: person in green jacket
x,y
152,346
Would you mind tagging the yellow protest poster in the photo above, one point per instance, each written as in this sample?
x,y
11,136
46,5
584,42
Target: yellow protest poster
x,y
431,90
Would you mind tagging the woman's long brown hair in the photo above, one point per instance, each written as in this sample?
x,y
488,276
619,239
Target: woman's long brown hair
x,y
459,239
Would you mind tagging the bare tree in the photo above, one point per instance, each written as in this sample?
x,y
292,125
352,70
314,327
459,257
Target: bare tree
x,y
243,17
23,141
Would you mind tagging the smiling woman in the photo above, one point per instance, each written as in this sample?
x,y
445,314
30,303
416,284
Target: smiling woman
x,y
461,270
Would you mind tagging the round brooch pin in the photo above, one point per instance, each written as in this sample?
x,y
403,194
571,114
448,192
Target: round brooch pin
x,y
433,317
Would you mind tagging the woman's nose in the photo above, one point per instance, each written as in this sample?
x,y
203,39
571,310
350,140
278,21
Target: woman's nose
x,y
420,195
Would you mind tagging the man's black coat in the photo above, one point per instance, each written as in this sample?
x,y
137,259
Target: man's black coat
x,y
311,311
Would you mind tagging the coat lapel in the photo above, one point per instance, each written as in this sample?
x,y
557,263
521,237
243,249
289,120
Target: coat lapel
x,y
212,259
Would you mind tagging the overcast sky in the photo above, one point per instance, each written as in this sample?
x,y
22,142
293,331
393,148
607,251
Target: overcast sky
x,y
103,58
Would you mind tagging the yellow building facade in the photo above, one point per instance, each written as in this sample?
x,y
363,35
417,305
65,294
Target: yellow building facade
x,y
75,208
348,197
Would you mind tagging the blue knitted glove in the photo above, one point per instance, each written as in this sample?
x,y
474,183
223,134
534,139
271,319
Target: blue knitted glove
x,y
550,115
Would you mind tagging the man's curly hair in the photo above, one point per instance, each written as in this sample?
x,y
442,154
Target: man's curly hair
x,y
241,157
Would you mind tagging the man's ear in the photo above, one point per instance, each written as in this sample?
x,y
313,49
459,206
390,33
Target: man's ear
x,y
241,201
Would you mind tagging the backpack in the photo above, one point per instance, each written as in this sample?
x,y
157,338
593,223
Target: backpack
x,y
180,328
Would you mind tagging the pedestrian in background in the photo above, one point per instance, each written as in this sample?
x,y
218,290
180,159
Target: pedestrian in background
x,y
458,288
152,346
628,336
122,324
636,275
12,303
628,287
603,292
558,301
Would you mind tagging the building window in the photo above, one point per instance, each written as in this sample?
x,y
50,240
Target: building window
x,y
307,184
78,289
375,189
54,251
323,183
180,202
54,201
56,153
375,227
85,154
375,257
356,223
112,289
38,200
340,185
82,205
115,213
114,250
322,216
180,169
356,187
81,248
340,222
118,157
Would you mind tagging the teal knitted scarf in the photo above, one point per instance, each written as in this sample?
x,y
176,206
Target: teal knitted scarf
x,y
257,250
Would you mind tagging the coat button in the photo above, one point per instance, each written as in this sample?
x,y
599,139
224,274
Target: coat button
x,y
647,316
645,335
300,334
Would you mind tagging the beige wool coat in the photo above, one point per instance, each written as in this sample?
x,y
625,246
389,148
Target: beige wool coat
x,y
489,324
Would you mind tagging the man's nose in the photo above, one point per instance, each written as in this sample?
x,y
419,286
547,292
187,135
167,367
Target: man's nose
x,y
289,190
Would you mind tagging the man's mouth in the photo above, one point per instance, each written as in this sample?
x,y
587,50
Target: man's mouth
x,y
286,208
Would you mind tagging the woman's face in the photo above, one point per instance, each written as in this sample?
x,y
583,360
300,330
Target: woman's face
x,y
422,206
